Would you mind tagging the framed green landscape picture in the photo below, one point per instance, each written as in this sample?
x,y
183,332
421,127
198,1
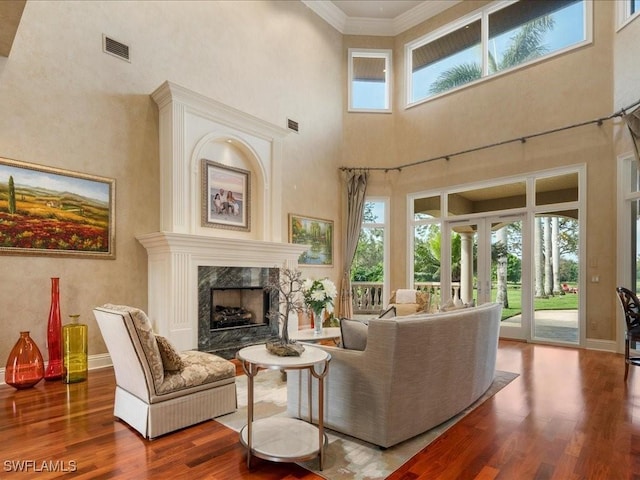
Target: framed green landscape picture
x,y
316,233
54,212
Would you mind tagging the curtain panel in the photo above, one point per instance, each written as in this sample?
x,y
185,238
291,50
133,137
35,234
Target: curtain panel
x,y
633,123
356,187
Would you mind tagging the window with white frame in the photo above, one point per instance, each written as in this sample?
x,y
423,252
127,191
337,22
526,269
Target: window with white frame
x,y
630,227
632,7
369,269
627,11
369,80
500,37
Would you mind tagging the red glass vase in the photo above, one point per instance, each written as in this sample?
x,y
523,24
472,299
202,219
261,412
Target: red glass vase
x,y
54,335
25,366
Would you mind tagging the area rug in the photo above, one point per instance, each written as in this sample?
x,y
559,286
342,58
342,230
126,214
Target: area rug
x,y
346,458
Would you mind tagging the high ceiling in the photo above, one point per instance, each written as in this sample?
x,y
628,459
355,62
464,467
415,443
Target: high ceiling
x,y
375,8
377,17
350,17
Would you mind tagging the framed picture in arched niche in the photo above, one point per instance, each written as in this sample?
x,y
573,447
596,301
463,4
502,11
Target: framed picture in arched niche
x,y
226,201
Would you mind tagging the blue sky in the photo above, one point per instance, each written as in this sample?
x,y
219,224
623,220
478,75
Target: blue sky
x,y
378,211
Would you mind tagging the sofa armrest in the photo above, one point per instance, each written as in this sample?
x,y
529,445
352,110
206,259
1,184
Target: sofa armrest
x,y
357,393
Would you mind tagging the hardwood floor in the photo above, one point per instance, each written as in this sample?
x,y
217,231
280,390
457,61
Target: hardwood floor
x,y
569,415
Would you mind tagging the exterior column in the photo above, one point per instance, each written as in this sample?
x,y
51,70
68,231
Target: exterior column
x,y
466,267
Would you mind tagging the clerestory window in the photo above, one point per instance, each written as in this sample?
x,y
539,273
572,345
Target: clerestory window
x,y
627,11
369,80
500,37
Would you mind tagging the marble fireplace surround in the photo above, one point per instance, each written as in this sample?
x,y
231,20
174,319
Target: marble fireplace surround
x,y
193,127
174,261
225,341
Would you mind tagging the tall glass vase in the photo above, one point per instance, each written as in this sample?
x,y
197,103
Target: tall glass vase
x,y
25,366
318,317
54,334
74,337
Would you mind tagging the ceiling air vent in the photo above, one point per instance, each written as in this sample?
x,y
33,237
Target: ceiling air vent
x,y
292,125
115,48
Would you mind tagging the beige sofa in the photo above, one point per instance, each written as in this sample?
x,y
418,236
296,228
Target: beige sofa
x,y
414,373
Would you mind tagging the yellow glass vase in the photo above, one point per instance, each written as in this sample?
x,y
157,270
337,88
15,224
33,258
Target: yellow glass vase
x,y
74,340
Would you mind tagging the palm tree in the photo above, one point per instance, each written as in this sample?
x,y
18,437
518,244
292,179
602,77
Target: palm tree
x,y
525,45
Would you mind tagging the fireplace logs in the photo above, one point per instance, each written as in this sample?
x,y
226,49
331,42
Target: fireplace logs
x,y
224,317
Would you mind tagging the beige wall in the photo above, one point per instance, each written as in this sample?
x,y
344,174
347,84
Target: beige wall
x,y
68,105
626,74
564,90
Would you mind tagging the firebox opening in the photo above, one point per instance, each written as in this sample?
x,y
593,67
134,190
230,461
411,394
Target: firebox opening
x,y
238,307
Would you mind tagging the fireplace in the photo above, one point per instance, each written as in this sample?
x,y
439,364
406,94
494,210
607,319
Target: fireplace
x,y
238,307
234,307
191,128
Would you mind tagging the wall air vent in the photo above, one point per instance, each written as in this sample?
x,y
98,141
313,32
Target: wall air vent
x,y
115,48
292,125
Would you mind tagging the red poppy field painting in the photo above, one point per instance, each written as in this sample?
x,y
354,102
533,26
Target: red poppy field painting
x,y
47,211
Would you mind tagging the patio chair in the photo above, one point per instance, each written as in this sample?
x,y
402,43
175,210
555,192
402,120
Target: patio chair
x,y
631,310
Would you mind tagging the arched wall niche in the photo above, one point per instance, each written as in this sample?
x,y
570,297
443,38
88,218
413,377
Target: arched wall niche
x,y
193,127
233,151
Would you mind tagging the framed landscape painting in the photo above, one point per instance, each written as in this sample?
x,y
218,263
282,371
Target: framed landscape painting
x,y
225,196
54,212
316,233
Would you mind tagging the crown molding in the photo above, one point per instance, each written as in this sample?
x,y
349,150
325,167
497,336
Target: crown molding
x,y
421,13
335,17
327,10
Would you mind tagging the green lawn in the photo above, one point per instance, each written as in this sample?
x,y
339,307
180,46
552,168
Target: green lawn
x,y
558,302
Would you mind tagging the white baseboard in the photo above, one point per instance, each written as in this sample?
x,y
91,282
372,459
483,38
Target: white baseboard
x,y
99,361
95,361
604,345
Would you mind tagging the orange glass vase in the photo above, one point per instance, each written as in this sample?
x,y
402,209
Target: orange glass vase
x,y
55,368
25,366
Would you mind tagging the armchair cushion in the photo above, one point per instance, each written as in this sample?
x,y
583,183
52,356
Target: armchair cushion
x,y
390,312
408,301
354,334
404,309
200,368
171,360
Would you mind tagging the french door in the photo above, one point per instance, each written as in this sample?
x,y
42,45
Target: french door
x,y
515,241
486,265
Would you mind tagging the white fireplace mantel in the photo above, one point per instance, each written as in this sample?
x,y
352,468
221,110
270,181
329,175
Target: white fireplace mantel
x,y
193,127
173,261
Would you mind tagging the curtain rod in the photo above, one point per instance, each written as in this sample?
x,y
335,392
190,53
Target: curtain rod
x,y
522,139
